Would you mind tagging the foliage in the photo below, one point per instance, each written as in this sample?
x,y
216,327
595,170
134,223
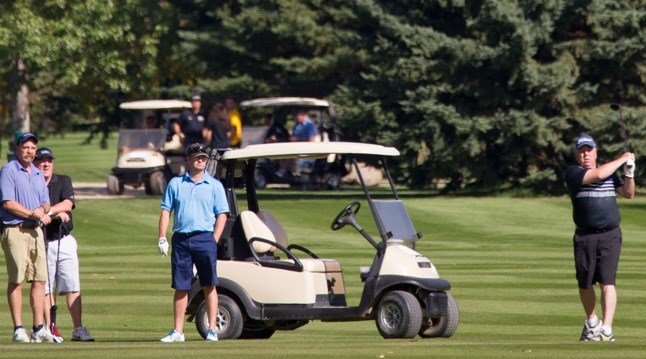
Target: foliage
x,y
477,94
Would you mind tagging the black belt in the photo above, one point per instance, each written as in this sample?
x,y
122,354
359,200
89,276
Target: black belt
x,y
593,231
21,226
191,234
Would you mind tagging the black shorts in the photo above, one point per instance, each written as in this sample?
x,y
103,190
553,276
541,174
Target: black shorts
x,y
596,257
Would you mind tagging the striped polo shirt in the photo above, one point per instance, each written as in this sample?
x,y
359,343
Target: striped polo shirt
x,y
594,205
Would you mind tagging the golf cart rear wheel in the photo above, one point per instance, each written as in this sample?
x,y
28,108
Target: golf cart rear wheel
x,y
444,326
229,319
156,183
115,186
399,315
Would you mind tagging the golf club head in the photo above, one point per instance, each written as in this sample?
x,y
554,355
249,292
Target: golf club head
x,y
615,106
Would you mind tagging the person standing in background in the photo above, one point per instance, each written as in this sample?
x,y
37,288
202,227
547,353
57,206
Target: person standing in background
x,y
191,123
236,122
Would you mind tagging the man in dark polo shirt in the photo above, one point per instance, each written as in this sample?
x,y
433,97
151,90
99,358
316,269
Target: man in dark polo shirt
x,y
597,238
191,123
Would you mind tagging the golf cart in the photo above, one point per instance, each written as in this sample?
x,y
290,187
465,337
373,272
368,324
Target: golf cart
x,y
147,154
267,284
323,173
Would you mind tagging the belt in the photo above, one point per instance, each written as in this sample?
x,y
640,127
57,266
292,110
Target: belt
x,y
191,234
21,226
594,231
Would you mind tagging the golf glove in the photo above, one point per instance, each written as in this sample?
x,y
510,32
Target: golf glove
x,y
162,245
629,168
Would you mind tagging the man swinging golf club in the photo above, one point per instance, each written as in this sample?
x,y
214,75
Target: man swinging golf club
x,y
597,238
62,259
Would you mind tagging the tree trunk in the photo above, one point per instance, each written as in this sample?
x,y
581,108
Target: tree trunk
x,y
20,115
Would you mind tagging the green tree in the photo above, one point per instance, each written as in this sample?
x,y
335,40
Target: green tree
x,y
76,59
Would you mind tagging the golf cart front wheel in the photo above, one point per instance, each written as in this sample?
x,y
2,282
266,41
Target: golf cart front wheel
x,y
229,319
156,183
115,187
444,326
399,315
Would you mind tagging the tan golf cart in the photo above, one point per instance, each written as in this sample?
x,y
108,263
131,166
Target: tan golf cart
x,y
268,283
148,155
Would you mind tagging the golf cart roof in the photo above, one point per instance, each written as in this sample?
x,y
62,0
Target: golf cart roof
x,y
155,105
285,101
307,149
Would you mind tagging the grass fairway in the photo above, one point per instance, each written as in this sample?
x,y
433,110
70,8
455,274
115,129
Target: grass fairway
x,y
509,261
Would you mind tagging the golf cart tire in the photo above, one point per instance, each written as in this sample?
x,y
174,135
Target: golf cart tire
x,y
115,187
156,183
229,320
399,315
444,326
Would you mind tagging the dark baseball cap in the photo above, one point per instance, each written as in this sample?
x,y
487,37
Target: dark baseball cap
x,y
196,97
44,152
27,136
197,149
584,140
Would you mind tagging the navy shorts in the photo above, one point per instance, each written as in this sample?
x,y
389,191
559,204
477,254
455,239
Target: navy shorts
x,y
596,257
197,249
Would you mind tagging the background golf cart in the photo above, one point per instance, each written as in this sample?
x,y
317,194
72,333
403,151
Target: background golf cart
x,y
324,173
147,156
267,284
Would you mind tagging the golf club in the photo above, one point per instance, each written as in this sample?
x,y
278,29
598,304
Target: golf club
x,y
617,107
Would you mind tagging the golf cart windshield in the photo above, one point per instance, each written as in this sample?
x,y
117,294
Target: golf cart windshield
x,y
153,139
393,221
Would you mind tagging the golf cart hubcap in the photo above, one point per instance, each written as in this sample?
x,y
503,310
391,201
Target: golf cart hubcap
x,y
391,316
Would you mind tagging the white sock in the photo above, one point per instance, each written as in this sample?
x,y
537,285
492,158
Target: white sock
x,y
606,329
592,322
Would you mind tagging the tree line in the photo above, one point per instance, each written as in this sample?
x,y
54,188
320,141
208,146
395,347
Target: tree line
x,y
477,95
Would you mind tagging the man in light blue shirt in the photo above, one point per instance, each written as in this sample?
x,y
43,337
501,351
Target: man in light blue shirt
x,y
200,209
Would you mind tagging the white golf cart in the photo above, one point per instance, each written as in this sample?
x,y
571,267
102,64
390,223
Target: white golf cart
x,y
147,155
267,284
322,173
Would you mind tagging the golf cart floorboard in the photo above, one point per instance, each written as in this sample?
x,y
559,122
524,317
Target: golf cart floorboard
x,y
325,313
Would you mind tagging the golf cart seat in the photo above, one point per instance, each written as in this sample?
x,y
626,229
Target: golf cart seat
x,y
279,233
276,228
264,244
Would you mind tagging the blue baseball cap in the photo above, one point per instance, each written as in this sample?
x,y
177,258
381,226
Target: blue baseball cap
x,y
27,136
44,152
584,140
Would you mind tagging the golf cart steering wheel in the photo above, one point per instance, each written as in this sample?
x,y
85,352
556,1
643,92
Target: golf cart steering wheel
x,y
349,211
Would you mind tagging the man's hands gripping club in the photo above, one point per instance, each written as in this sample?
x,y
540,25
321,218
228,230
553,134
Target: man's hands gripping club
x,y
162,245
629,167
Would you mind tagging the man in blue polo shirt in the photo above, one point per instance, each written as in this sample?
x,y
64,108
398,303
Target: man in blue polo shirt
x,y
200,209
597,238
25,207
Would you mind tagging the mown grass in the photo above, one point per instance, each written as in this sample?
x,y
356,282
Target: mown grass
x,y
509,261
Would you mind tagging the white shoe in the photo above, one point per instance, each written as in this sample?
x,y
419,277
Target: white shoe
x,y
44,335
212,335
20,336
172,337
589,332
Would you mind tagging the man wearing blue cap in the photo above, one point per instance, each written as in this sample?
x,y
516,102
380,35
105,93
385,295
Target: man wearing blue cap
x,y
25,204
597,238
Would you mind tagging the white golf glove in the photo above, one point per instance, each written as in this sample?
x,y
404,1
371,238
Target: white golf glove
x,y
162,245
629,168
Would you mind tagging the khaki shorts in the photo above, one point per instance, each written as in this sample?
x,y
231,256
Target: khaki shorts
x,y
24,252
